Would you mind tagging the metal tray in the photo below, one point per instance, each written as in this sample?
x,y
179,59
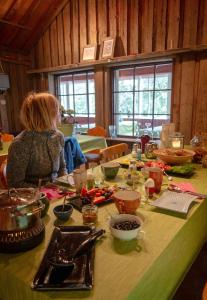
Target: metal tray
x,y
80,277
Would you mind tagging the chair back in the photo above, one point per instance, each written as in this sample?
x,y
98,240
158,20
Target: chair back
x,y
204,293
114,152
97,131
3,180
6,137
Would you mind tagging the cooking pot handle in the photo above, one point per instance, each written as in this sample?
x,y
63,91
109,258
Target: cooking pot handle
x,y
36,210
40,207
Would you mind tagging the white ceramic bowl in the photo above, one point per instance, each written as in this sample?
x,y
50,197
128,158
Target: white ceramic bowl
x,y
125,235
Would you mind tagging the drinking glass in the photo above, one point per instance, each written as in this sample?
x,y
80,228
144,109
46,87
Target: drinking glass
x,y
112,131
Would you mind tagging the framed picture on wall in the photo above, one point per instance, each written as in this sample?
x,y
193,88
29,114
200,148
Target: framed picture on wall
x,y
107,48
89,52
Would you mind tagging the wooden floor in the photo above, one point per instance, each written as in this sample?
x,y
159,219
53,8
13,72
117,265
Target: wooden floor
x,y
193,284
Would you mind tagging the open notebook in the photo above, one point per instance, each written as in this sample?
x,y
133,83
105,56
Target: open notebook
x,y
178,202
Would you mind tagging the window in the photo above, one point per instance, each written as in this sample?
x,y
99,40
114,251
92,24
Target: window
x,y
142,98
76,91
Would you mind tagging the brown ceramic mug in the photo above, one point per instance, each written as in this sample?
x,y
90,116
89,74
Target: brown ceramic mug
x,y
127,202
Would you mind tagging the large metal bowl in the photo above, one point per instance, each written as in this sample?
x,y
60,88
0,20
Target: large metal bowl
x,y
19,209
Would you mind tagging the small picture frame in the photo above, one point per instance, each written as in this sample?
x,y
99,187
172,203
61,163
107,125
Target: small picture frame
x,y
89,52
107,48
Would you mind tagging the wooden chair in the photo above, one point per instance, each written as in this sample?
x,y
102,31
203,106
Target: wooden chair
x,y
94,156
97,131
114,152
6,137
204,294
3,180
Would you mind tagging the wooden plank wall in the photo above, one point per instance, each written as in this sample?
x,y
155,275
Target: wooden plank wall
x,y
140,26
19,87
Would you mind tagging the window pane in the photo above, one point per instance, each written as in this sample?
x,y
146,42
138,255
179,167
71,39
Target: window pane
x,y
143,103
91,120
80,84
67,102
163,77
91,87
91,104
124,125
123,103
81,104
162,102
124,80
66,85
144,78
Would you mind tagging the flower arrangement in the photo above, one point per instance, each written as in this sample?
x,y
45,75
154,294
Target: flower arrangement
x,y
67,116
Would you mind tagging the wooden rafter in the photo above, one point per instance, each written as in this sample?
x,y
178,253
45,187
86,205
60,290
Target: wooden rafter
x,y
15,24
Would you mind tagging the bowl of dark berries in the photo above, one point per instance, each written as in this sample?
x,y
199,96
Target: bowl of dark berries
x,y
126,227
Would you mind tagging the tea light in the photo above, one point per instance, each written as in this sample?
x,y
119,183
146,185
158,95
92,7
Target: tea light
x,y
176,143
177,140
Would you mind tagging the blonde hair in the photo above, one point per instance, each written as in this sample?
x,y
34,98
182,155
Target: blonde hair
x,y
40,111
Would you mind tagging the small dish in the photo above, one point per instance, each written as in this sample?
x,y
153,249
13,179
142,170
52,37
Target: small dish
x,y
63,212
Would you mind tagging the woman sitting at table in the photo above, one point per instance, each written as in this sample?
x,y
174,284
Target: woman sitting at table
x,y
38,151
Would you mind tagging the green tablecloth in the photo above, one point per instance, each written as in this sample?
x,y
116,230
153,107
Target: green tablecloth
x,y
151,269
5,148
86,142
89,143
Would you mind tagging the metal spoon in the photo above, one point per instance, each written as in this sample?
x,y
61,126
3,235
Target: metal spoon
x,y
168,177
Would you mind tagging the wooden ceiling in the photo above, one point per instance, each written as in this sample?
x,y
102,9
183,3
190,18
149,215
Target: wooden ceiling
x,y
22,22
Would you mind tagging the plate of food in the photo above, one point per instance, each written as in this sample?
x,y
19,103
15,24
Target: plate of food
x,y
126,162
96,196
175,157
186,170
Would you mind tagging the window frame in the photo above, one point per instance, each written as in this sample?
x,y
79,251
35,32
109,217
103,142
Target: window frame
x,y
135,65
87,94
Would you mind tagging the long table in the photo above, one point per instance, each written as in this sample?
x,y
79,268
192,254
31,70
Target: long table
x,y
148,269
86,142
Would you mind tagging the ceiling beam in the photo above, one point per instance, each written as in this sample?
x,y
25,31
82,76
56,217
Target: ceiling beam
x,y
45,26
15,24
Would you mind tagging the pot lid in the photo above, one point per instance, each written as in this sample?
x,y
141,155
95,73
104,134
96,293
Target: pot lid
x,y
18,197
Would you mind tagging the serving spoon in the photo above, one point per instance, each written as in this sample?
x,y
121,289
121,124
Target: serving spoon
x,y
62,260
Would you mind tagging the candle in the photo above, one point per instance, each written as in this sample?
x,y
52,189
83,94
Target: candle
x,y
176,143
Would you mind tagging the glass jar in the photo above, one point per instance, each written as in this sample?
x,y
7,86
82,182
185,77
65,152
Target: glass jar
x,y
177,140
90,214
149,148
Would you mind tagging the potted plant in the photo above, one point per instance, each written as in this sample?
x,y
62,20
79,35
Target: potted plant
x,y
67,121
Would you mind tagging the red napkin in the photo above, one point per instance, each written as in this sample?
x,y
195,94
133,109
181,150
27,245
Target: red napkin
x,y
185,186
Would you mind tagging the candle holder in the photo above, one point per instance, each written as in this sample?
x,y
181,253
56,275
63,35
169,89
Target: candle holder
x,y
177,140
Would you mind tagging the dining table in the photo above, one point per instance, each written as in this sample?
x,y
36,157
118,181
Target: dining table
x,y
146,269
87,143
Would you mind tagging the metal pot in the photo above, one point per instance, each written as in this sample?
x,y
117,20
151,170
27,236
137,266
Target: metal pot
x,y
19,209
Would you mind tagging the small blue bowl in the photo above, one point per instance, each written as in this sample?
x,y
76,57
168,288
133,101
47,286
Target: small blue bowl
x,y
65,214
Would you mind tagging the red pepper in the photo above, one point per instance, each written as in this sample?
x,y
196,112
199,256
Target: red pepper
x,y
97,200
83,192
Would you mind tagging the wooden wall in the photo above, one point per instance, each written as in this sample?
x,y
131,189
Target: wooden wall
x,y
140,26
19,87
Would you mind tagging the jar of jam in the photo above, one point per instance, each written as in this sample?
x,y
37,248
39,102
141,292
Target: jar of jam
x,y
90,214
